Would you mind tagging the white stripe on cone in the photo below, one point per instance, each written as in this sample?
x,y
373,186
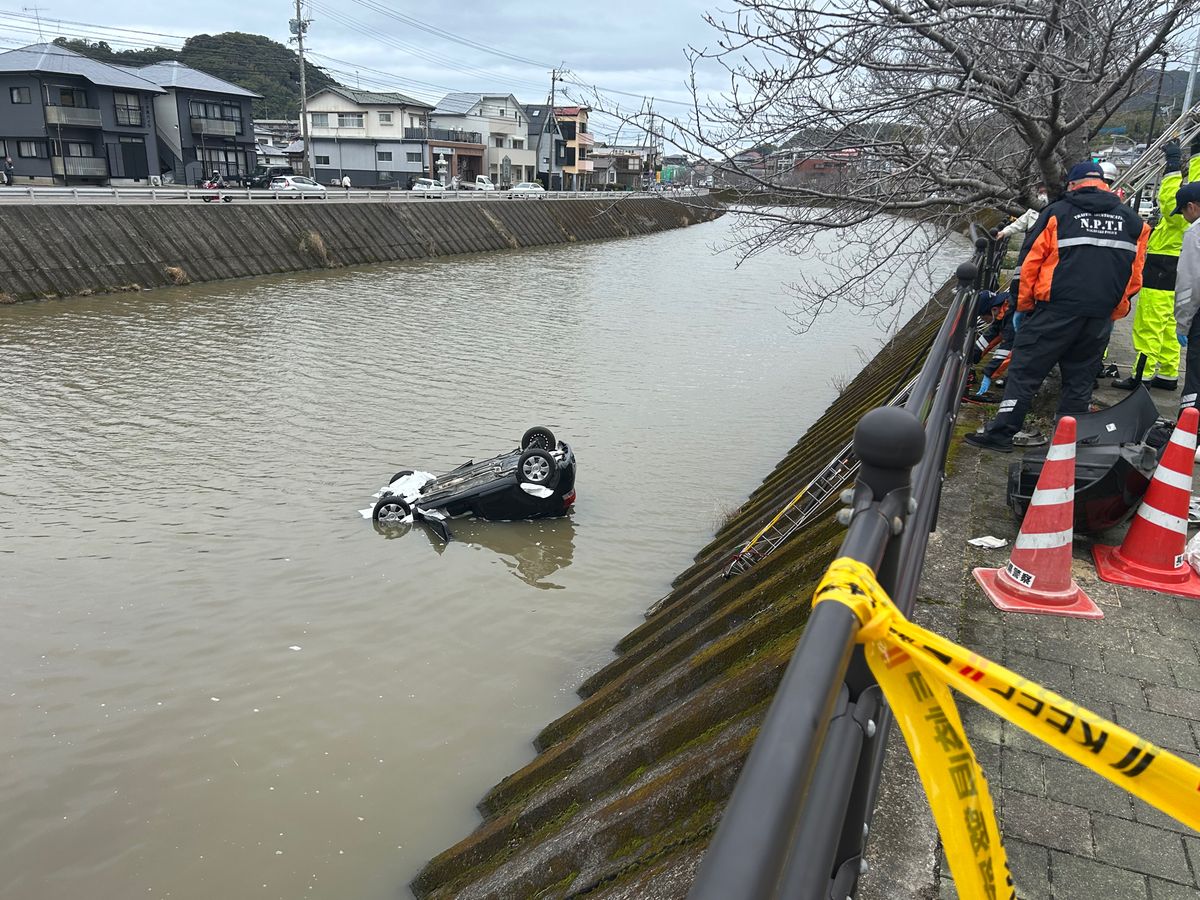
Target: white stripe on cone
x,y
1046,540
1162,519
1183,439
1060,452
1181,480
1052,496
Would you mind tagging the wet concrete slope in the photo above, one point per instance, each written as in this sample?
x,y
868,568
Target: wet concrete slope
x,y
626,789
62,250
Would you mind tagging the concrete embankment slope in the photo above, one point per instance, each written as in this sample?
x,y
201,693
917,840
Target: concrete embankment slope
x,y
623,797
60,250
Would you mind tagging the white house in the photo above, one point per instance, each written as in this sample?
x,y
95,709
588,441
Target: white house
x,y
503,126
376,138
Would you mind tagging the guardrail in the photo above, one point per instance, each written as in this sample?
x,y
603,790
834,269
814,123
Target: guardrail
x,y
797,823
9,195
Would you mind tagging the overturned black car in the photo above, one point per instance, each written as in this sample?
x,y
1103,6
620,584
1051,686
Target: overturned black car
x,y
534,481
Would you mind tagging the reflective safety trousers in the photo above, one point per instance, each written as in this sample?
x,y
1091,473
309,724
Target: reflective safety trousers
x,y
1154,333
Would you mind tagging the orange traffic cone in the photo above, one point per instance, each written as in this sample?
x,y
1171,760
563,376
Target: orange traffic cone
x,y
1037,578
1151,556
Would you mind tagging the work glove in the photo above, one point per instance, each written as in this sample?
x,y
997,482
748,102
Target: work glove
x,y
1018,318
1173,155
984,386
1182,338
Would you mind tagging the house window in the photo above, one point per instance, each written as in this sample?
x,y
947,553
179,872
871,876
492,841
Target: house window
x,y
414,121
518,144
321,160
32,150
72,97
383,155
72,148
413,157
350,120
499,139
129,109
385,118
20,95
320,120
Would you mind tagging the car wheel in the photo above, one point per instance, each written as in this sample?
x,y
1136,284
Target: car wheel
x,y
538,467
538,436
400,475
227,199
390,510
206,199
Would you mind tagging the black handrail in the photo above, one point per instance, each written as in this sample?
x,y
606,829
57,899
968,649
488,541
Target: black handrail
x,y
797,822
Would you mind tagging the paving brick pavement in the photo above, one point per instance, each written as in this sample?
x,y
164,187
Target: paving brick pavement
x,y
1069,833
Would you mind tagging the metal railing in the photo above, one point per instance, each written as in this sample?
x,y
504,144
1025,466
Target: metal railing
x,y
215,127
452,135
86,166
797,823
79,116
179,194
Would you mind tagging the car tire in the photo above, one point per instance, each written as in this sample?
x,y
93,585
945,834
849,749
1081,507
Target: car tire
x,y
537,466
399,475
227,199
390,510
538,436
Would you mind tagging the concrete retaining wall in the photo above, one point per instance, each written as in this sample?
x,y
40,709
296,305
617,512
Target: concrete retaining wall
x,y
49,251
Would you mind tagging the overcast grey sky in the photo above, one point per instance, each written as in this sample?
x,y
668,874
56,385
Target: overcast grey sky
x,y
619,45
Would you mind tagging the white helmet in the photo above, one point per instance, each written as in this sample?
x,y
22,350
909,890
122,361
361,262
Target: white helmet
x,y
1109,170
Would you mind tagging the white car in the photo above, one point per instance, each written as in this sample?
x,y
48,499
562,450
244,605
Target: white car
x,y
297,186
528,187
428,186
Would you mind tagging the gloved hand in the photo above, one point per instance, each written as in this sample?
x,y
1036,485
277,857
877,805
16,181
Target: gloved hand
x,y
984,386
1182,338
1018,318
1174,155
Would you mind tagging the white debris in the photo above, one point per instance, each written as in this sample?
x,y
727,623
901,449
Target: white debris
x,y
537,490
295,647
988,542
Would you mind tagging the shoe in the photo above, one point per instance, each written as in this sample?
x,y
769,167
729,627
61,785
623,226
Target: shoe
x,y
1128,384
985,441
1028,439
1164,384
1109,371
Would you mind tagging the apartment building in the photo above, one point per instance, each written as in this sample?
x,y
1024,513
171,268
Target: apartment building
x,y
577,146
502,127
379,139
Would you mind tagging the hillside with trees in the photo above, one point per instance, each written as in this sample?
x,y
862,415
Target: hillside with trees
x,y
252,61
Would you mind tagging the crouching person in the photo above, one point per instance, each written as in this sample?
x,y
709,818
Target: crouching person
x,y
1187,292
1084,263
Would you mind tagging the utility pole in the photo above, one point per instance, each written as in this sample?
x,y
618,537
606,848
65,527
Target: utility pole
x,y
1187,96
1137,200
299,25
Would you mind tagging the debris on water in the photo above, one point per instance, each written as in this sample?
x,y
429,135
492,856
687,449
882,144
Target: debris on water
x,y
215,699
295,647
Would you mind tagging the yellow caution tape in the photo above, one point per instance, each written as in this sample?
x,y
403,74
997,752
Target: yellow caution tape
x,y
915,668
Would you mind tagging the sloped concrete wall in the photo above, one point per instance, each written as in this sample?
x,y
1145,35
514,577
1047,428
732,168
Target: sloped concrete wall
x,y
48,251
627,787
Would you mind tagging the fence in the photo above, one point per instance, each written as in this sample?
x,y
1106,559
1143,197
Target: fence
x,y
797,823
10,195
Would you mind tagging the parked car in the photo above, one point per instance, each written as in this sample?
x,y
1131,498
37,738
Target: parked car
x,y
534,481
297,186
528,187
481,183
264,175
428,186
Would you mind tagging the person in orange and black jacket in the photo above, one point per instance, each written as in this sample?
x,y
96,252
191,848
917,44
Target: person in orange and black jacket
x,y
1083,264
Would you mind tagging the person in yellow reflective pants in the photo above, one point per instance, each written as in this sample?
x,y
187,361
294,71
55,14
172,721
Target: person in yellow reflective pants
x,y
1154,338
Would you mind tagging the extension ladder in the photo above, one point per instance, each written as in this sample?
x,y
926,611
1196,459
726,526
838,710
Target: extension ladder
x,y
804,507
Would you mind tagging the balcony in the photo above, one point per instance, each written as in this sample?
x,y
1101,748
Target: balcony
x,y
443,134
584,165
214,127
80,116
82,166
584,139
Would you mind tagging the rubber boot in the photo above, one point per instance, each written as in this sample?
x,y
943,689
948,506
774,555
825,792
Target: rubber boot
x,y
1135,377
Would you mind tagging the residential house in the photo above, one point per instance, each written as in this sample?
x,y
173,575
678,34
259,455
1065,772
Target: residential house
x,y
577,145
67,119
546,141
204,123
503,126
379,139
624,165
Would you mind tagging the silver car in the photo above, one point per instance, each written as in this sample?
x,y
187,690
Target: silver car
x,y
297,186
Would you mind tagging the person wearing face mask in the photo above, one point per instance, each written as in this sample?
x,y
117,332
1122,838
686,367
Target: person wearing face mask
x,y
1154,340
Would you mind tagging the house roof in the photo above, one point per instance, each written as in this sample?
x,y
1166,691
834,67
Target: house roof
x,y
373,98
172,74
459,103
61,61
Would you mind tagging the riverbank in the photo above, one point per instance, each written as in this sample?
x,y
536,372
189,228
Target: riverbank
x,y
60,250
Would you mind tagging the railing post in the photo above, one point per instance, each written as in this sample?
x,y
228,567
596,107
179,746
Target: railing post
x,y
781,827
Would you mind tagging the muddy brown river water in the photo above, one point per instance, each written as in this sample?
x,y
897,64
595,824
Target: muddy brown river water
x,y
220,680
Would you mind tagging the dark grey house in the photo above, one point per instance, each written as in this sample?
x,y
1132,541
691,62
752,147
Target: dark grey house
x,y
67,119
546,139
204,124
